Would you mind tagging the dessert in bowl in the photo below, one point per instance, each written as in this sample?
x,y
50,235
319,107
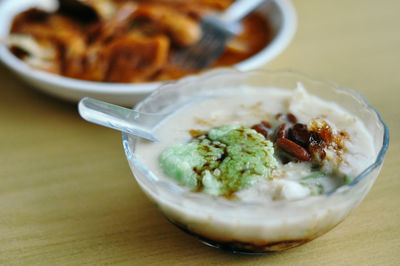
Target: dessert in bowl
x,y
122,50
225,171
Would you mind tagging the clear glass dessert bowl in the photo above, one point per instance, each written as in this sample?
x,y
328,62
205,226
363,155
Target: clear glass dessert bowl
x,y
254,227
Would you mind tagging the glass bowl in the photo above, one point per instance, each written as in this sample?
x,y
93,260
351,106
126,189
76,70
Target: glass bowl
x,y
255,227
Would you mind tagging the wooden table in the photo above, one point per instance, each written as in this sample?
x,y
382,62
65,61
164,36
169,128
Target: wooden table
x,y
67,195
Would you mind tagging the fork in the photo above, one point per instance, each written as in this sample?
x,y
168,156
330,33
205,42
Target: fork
x,y
216,31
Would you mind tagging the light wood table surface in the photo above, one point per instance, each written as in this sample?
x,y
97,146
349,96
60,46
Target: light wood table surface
x,y
67,195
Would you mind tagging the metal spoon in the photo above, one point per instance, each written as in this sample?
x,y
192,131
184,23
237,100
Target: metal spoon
x,y
119,118
216,31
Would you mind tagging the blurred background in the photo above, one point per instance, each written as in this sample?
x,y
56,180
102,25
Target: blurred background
x,y
67,195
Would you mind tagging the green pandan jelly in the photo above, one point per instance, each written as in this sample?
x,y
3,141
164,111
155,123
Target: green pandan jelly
x,y
221,162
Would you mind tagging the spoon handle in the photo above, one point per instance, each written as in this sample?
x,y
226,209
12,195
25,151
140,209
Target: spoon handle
x,y
238,10
115,117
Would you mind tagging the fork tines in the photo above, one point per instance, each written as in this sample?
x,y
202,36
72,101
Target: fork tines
x,y
207,49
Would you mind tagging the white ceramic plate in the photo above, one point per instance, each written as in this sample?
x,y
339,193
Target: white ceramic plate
x,y
280,13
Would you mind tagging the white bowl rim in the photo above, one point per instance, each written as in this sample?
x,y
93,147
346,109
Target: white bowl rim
x,y
273,49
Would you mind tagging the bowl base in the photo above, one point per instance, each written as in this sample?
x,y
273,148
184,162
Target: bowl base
x,y
241,247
